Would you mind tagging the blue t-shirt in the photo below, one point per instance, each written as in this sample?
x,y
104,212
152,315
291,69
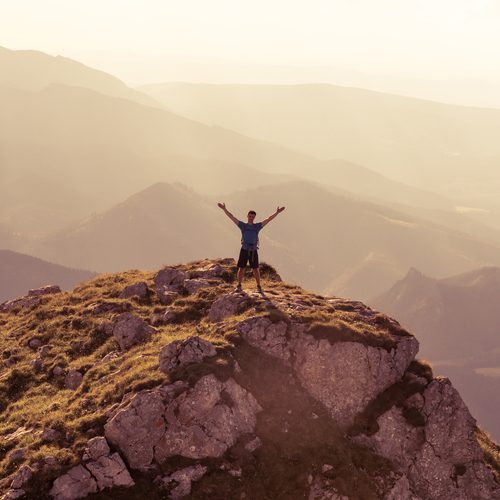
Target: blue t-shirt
x,y
249,235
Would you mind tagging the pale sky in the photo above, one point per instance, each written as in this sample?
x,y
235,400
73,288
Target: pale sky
x,y
159,40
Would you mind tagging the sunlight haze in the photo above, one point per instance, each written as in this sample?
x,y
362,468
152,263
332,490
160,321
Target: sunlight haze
x,y
407,47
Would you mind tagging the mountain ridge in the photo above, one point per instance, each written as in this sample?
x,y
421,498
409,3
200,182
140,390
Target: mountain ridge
x,y
170,383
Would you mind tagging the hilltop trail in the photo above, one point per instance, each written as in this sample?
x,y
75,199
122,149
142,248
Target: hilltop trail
x,y
170,384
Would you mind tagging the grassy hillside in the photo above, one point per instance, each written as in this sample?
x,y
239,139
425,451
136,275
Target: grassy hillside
x,y
32,399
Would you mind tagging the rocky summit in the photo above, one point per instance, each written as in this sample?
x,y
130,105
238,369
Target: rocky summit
x,y
171,384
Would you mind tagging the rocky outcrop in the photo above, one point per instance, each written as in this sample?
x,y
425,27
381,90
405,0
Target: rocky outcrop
x,y
346,376
130,330
343,376
442,458
139,289
32,299
284,394
100,470
180,353
198,422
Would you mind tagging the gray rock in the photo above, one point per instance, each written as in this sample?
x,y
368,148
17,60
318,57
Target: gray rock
x,y
180,353
34,343
227,305
17,455
21,477
58,371
179,483
206,420
343,376
32,299
97,447
104,307
346,376
50,435
136,290
267,336
167,283
163,318
203,421
44,290
73,380
194,284
209,271
110,471
167,296
442,459
76,483
130,330
137,428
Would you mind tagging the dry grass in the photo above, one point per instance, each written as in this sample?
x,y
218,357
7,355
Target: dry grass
x,y
491,451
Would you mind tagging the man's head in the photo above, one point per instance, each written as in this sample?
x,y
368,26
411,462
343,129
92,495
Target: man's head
x,y
251,216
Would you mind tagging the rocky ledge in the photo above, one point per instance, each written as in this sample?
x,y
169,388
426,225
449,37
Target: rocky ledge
x,y
173,385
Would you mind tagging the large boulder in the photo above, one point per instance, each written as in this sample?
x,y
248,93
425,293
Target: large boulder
x,y
136,429
167,283
344,376
198,422
441,459
130,330
110,471
76,483
180,353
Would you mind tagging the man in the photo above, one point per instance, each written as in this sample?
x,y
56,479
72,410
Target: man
x,y
249,242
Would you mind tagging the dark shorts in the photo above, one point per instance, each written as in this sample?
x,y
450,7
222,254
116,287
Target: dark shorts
x,y
250,256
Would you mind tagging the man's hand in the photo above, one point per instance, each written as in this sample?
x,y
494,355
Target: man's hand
x,y
271,217
228,213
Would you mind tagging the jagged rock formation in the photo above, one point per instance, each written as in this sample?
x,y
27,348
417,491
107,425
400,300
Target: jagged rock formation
x,y
231,395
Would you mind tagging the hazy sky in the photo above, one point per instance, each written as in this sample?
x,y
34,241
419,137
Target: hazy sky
x,y
156,40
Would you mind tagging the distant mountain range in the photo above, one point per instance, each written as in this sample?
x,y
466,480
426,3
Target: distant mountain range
x,y
326,241
458,325
20,273
413,140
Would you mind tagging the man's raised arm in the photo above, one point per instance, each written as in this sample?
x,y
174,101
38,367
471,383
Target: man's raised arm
x,y
271,217
228,213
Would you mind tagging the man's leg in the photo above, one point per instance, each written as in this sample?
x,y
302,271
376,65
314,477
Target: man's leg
x,y
241,272
256,275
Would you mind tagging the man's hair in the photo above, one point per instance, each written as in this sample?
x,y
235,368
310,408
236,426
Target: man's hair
x,y
253,212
